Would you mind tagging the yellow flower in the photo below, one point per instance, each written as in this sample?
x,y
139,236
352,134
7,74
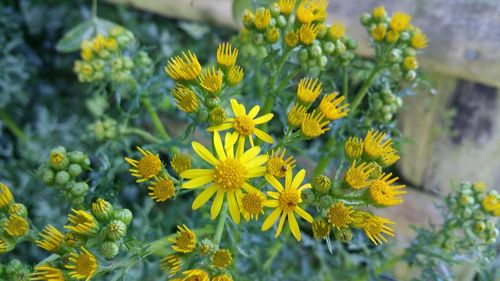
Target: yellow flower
x,y
222,278
400,21
308,33
336,31
374,144
51,239
357,177
272,35
171,264
162,189
221,258
186,69
375,227
185,242
244,124
217,115
262,18
378,32
234,75
82,265
353,148
320,228
229,175
286,202
329,106
47,273
185,99
196,275
3,246
98,43
277,165
491,203
5,195
83,223
291,38
286,6
111,44
86,53
339,215
418,40
378,12
147,167
308,90
410,63
16,226
311,10
211,80
392,36
479,186
252,204
226,55
296,115
383,193
313,125
389,157
180,163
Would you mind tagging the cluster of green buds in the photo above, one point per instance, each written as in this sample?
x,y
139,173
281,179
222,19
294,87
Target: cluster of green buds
x,y
199,91
384,104
396,41
14,270
110,57
14,225
104,129
63,170
364,183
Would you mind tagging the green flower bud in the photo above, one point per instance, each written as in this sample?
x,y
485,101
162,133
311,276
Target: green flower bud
x,y
272,35
75,170
62,177
325,201
102,209
394,107
466,200
128,63
376,104
491,240
350,43
308,196
211,101
315,51
116,64
386,109
467,213
366,19
116,229
395,56
124,215
272,23
109,249
395,69
410,75
18,209
312,63
77,157
322,184
377,171
303,55
399,101
79,189
490,225
322,31
248,19
404,36
261,52
275,10
339,47
202,114
123,40
343,235
48,176
58,158
388,117
281,21
329,48
217,116
322,61
478,215
13,266
479,227
409,52
347,56
207,246
258,39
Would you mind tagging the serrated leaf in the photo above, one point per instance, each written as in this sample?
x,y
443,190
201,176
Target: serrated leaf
x,y
239,6
72,40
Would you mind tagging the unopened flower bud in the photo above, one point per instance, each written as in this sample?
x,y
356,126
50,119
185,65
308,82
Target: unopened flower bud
x,y
258,39
75,170
79,189
339,47
102,209
343,235
325,201
329,48
62,177
366,19
109,249
116,229
303,55
59,158
124,215
322,184
18,209
48,176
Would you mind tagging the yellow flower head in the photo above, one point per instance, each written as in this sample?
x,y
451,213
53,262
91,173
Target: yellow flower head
x,y
389,157
47,273
418,40
392,36
313,125
162,189
410,63
51,239
252,204
3,246
86,50
98,43
479,186
336,31
272,35
229,175
222,258
262,18
353,148
171,264
277,165
226,55
222,278
378,32
375,146
217,115
331,108
180,163
378,12
491,203
312,10
111,44
245,124
147,167
183,69
211,80
291,38
339,215
400,21
308,90
196,275
16,226
82,265
185,99
357,177
320,228
5,195
285,202
82,223
383,193
286,6
308,33
234,75
296,115
185,242
375,227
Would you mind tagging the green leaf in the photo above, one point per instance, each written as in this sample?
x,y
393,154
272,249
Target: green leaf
x,y
239,6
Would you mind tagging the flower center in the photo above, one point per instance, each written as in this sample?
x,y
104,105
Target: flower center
x,y
311,128
85,265
230,175
356,178
56,158
221,258
277,167
289,199
252,203
339,215
163,190
244,125
149,166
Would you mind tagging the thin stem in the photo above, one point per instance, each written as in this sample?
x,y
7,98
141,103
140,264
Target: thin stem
x,y
364,89
155,119
94,9
345,82
268,105
11,125
323,161
143,134
220,224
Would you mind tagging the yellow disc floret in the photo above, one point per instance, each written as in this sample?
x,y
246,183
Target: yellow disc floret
x,y
221,258
313,125
308,90
185,241
308,33
311,10
211,80
331,108
252,204
184,69
400,21
185,99
353,148
383,193
286,6
162,189
51,239
82,265
357,177
5,195
277,165
262,18
147,167
16,226
226,55
339,215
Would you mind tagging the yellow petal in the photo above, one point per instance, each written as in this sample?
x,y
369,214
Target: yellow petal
x,y
271,219
236,107
280,224
221,127
204,153
294,226
274,182
254,111
305,186
288,178
204,196
217,204
303,214
263,119
241,146
249,188
272,203
256,172
234,210
249,155
263,135
218,146
299,177
257,161
229,145
194,173
197,182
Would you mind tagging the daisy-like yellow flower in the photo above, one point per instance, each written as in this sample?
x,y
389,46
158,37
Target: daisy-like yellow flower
x,y
16,226
378,32
291,38
491,203
82,265
185,241
262,18
389,157
82,223
286,6
286,202
400,21
5,195
308,33
375,227
340,215
180,163
418,40
378,12
252,204
171,264
222,258
296,115
374,144
234,75
51,239
226,55
336,31
229,175
353,148
147,167
311,10
184,69
357,177
211,80
308,90
47,273
331,108
222,278
313,125
410,63
277,165
196,275
244,124
162,189
383,193
320,228
272,35
185,99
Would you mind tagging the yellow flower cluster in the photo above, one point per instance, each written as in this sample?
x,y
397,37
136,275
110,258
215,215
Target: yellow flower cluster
x,y
15,224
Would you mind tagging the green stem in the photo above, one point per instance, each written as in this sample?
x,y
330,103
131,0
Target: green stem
x,y
268,105
155,119
345,82
323,161
143,134
11,125
364,89
94,9
220,224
